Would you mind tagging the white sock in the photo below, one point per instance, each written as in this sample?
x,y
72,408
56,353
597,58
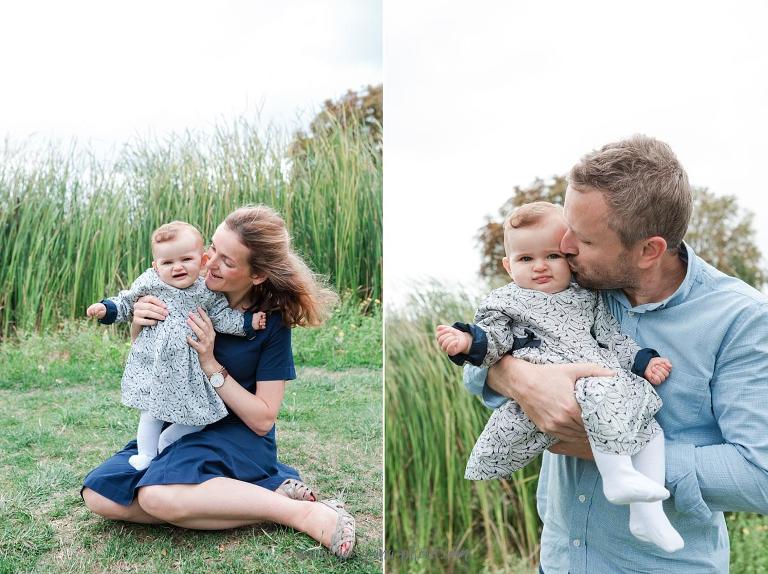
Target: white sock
x,y
174,433
146,439
622,484
647,520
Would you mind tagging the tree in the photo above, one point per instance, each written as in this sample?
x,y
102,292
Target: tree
x,y
720,231
364,108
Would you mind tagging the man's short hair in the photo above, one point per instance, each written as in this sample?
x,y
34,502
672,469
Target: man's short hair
x,y
169,231
644,185
528,215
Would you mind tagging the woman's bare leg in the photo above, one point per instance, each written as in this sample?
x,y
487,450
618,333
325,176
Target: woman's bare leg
x,y
107,508
228,503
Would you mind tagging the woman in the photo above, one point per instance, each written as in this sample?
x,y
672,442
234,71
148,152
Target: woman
x,y
228,475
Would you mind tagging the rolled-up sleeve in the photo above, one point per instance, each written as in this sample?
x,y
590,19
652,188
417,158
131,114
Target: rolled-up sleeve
x,y
475,383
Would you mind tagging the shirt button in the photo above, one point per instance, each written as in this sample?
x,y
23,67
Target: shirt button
x,y
577,543
631,313
582,498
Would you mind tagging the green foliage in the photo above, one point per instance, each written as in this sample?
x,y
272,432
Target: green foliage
x,y
720,232
364,108
352,337
436,520
74,229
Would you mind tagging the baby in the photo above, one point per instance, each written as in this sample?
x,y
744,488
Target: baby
x,y
543,318
163,377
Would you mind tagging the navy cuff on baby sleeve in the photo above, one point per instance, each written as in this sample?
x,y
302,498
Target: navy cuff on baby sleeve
x,y
111,315
642,359
250,332
479,345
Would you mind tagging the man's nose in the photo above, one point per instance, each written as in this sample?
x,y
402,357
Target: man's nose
x,y
568,244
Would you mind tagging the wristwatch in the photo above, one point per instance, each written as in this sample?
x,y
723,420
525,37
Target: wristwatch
x,y
217,378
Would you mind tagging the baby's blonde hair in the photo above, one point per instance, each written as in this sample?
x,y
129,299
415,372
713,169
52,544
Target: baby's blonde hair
x,y
528,215
169,232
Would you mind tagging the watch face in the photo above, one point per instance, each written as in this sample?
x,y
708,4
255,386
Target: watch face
x,y
217,379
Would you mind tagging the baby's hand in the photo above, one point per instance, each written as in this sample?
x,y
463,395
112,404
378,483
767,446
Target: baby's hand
x,y
658,370
259,321
97,310
453,341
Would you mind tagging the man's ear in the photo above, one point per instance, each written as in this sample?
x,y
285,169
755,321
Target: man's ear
x,y
204,260
651,251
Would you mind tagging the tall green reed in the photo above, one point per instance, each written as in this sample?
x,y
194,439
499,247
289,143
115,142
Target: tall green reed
x,y
74,228
436,521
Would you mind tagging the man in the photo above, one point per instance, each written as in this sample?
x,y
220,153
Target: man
x,y
628,207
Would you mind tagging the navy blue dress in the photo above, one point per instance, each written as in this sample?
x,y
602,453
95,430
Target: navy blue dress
x,y
225,448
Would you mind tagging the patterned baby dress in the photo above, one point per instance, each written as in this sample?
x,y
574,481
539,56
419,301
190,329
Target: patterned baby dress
x,y
572,326
163,373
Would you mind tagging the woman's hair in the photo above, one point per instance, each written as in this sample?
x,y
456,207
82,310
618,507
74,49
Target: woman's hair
x,y
300,295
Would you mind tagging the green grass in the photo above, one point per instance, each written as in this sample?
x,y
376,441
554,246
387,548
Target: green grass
x,y
352,337
436,520
62,416
74,228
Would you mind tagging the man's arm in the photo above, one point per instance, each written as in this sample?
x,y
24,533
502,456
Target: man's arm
x,y
731,476
545,392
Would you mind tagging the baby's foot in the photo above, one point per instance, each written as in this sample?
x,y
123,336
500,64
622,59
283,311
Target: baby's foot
x,y
259,321
140,461
453,341
652,525
629,487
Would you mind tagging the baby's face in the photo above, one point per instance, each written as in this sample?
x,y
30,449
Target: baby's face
x,y
535,260
179,260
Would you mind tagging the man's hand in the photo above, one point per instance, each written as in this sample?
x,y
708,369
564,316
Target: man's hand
x,y
658,370
580,448
98,310
546,392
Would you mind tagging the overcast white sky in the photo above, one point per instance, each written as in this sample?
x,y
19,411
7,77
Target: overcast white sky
x,y
482,97
102,72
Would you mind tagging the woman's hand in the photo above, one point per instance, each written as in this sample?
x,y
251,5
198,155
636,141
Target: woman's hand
x,y
147,311
201,324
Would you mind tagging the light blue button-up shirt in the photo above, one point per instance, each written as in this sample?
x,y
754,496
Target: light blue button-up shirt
x,y
714,330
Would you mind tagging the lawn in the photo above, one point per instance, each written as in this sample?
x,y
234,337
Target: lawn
x,y
61,416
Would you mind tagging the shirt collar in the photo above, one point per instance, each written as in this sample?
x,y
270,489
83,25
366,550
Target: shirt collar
x,y
689,257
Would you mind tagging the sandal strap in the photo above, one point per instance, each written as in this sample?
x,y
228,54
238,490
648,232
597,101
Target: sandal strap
x,y
296,489
345,529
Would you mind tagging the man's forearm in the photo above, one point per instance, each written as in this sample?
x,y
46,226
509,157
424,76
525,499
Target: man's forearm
x,y
715,478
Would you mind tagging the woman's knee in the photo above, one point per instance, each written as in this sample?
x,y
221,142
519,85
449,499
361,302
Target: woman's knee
x,y
103,506
161,502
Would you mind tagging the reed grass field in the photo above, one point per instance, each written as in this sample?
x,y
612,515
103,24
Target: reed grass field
x,y
74,227
436,521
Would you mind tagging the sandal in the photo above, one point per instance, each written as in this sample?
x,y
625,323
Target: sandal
x,y
345,530
297,490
